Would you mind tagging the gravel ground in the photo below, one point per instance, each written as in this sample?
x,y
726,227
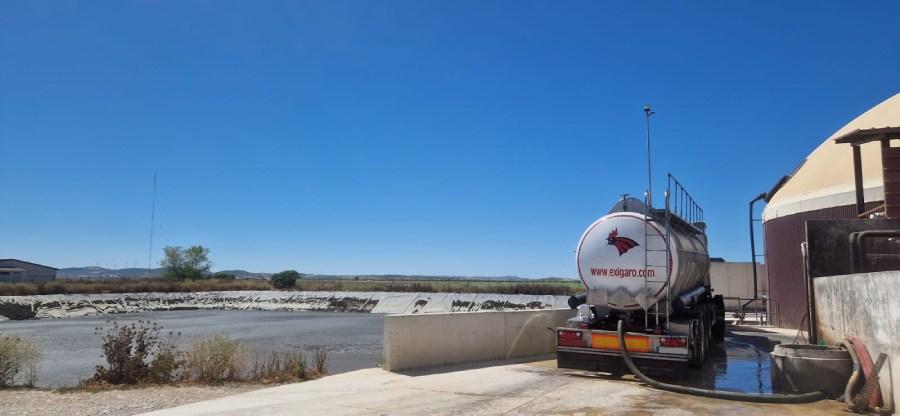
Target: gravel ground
x,y
22,402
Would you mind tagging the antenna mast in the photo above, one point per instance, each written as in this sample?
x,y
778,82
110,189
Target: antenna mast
x,y
152,220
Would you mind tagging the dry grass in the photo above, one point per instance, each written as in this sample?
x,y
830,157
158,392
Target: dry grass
x,y
219,359
279,367
19,358
320,361
213,360
210,285
136,354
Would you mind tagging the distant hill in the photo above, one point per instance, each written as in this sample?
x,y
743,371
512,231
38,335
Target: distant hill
x,y
100,273
407,277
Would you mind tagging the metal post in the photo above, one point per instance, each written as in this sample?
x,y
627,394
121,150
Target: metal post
x,y
152,220
649,203
810,296
668,252
648,111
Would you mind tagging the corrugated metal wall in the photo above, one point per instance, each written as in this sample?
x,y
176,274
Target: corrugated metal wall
x,y
34,273
784,261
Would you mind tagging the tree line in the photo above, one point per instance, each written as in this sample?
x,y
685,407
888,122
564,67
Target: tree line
x,y
192,263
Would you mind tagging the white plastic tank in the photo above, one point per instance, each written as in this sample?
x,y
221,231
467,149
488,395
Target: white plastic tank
x,y
611,260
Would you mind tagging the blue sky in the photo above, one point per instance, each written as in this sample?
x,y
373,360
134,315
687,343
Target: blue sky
x,y
433,137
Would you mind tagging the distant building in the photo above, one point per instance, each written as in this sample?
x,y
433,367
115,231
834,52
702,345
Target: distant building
x,y
18,271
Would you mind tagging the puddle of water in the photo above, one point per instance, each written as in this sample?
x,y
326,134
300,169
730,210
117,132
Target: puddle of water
x,y
742,363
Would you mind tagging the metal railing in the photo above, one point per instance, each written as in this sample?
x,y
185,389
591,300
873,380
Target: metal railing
x,y
682,203
744,310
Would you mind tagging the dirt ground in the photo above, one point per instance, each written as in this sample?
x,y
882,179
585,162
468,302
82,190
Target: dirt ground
x,y
24,402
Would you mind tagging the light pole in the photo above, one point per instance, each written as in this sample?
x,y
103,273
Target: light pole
x,y
648,111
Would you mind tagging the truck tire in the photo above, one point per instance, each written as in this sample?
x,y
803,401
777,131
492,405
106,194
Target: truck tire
x,y
696,341
718,329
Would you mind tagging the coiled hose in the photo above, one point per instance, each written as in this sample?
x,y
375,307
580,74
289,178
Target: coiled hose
x,y
715,394
862,366
855,378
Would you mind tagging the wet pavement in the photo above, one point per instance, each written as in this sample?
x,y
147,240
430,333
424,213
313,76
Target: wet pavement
x,y
741,363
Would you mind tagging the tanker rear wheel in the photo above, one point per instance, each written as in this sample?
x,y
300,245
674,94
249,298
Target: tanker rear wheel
x,y
718,329
698,343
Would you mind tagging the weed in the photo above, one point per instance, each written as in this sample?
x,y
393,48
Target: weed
x,y
274,367
18,357
136,354
214,359
320,360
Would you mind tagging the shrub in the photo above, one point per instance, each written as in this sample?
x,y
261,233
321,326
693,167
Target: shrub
x,y
18,356
320,359
302,370
136,354
214,359
278,367
285,279
224,276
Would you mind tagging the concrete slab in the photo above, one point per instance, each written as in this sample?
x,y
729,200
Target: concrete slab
x,y
536,388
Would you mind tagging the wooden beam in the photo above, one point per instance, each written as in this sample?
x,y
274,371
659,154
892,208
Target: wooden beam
x,y
858,179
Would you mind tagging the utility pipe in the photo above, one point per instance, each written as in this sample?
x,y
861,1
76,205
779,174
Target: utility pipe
x,y
759,197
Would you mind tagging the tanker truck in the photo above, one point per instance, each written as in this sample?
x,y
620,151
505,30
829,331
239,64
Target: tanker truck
x,y
649,268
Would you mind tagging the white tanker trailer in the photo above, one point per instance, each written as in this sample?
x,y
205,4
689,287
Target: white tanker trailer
x,y
649,268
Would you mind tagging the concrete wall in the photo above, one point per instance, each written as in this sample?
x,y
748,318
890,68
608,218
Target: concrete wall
x,y
735,279
65,306
415,341
866,305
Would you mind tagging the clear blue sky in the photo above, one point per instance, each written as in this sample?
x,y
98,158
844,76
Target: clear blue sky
x,y
434,137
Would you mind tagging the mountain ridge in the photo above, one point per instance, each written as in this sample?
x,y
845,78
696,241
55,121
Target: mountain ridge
x,y
102,273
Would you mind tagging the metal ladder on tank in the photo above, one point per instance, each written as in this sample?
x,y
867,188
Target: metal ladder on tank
x,y
650,231
681,205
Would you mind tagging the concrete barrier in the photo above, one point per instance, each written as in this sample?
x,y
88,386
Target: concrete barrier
x,y
416,341
735,279
64,306
866,305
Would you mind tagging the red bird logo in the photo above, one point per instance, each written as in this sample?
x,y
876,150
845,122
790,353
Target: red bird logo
x,y
623,244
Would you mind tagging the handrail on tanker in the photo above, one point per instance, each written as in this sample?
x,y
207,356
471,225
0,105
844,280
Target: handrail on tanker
x,y
685,207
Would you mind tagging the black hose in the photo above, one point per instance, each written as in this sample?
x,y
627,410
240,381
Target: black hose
x,y
715,394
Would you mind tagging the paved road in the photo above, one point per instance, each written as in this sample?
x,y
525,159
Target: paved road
x,y
532,388
72,349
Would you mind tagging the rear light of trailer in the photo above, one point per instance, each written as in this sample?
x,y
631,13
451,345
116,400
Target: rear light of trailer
x,y
570,338
674,342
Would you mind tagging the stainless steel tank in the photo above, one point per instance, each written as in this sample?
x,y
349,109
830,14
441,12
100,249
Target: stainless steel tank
x,y
612,264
